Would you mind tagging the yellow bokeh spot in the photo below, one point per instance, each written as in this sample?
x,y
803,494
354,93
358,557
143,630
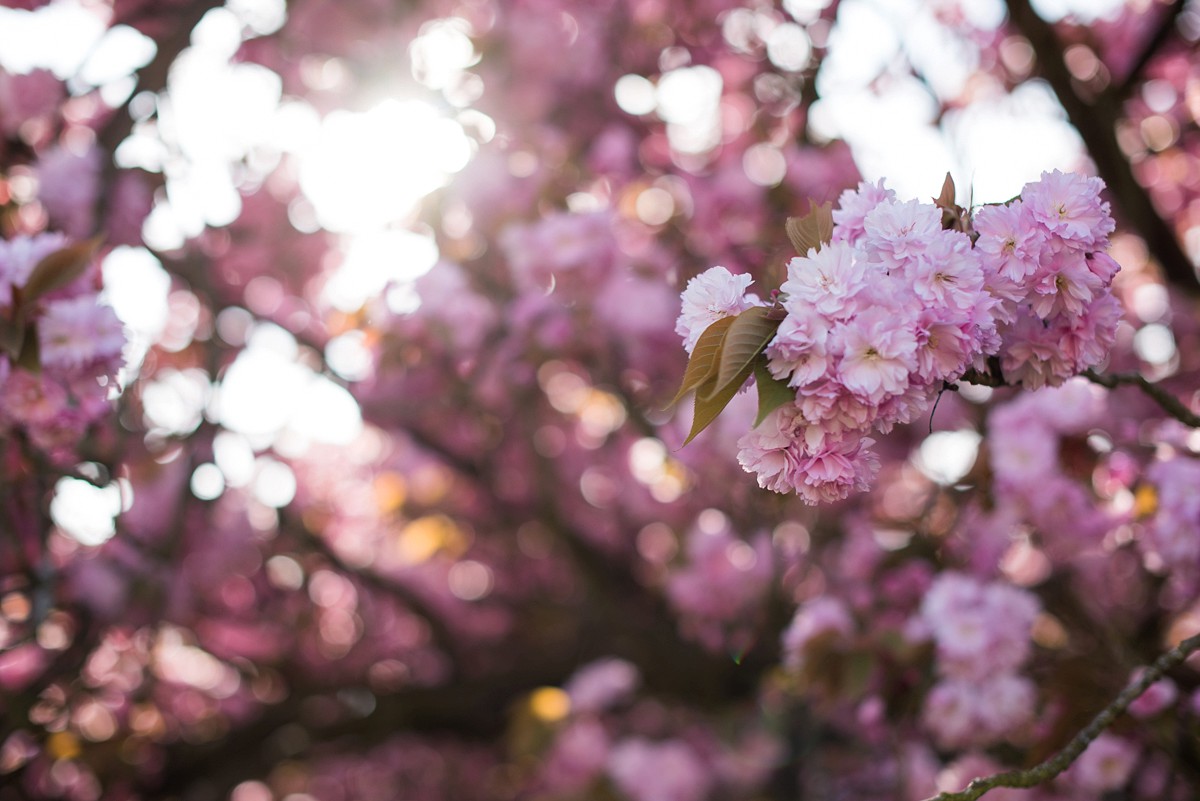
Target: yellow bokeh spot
x,y
63,745
391,490
549,704
425,536
1145,501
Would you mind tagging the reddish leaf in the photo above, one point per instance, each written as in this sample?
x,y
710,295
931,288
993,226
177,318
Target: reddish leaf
x,y
813,230
59,269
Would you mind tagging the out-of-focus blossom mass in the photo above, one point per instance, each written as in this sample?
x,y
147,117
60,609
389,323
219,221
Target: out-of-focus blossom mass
x,y
341,449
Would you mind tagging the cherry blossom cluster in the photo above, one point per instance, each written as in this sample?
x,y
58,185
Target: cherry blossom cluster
x,y
899,303
723,583
821,618
1046,263
614,737
1024,440
981,632
61,382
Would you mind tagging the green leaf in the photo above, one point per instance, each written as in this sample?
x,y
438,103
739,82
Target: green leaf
x,y
747,337
813,230
856,678
709,405
59,269
705,358
772,392
12,336
30,356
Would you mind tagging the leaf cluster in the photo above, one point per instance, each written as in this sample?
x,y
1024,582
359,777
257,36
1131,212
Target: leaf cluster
x,y
731,350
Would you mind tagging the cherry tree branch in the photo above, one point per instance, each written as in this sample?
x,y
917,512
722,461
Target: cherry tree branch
x,y
1170,404
1047,770
442,635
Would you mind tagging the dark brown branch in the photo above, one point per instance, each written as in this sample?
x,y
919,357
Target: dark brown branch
x,y
1166,401
1096,121
441,633
1055,765
1169,403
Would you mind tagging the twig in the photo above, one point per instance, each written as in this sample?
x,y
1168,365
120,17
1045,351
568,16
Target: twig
x,y
1169,403
1055,765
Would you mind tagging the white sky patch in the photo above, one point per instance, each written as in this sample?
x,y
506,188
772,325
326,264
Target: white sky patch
x,y
58,37
945,59
349,356
234,457
266,393
1082,10
986,15
1006,141
892,135
1155,344
215,114
947,456
262,17
173,403
789,47
993,146
861,46
689,100
207,482
137,286
85,512
117,54
442,51
635,94
365,171
805,10
374,260
275,483
219,111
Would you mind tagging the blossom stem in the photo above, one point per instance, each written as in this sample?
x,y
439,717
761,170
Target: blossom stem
x,y
1047,770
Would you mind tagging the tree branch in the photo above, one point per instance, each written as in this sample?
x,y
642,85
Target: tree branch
x,y
1169,403
1166,401
1050,768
